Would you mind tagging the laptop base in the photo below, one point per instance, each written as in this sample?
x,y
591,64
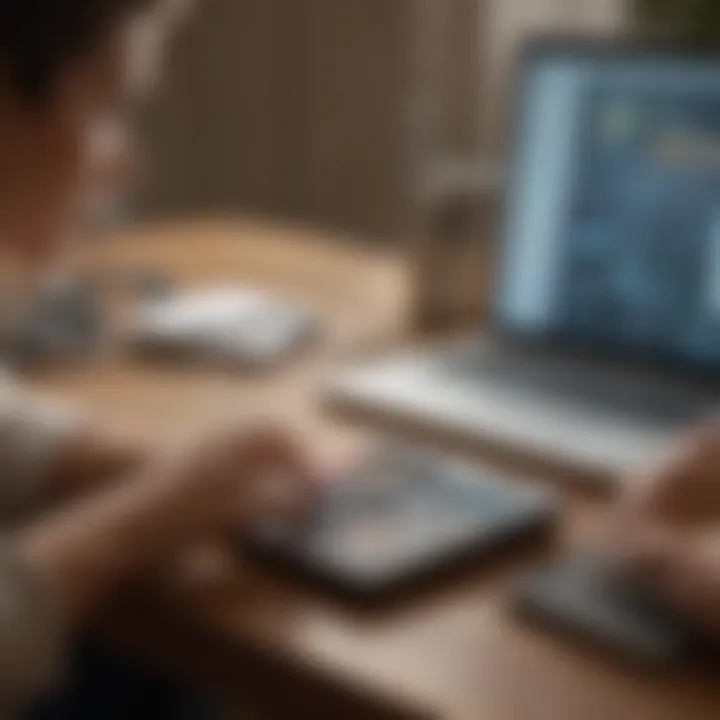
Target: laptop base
x,y
433,390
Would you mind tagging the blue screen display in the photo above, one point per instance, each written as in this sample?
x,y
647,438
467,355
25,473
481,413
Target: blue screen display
x,y
613,234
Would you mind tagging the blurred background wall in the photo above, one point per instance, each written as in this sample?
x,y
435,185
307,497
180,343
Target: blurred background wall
x,y
331,111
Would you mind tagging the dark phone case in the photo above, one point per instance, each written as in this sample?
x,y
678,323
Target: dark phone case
x,y
582,597
464,514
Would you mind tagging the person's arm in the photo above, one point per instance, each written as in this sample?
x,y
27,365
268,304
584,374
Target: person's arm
x,y
56,571
225,482
32,630
85,550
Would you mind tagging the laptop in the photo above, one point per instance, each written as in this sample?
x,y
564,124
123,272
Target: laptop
x,y
605,334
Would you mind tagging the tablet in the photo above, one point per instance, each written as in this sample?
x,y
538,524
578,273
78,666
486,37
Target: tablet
x,y
405,515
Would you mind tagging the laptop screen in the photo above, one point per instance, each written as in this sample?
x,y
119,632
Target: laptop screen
x,y
612,238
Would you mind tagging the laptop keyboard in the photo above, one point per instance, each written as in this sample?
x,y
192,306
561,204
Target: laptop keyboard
x,y
623,393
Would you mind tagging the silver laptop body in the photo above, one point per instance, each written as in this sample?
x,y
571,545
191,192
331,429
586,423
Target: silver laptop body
x,y
605,343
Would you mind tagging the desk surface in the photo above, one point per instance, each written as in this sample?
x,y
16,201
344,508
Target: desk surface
x,y
454,652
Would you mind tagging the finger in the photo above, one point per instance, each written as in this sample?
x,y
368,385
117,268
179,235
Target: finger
x,y
275,448
677,489
691,578
274,502
285,483
645,553
284,461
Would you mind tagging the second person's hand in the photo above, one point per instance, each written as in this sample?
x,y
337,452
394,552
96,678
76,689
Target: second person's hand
x,y
666,530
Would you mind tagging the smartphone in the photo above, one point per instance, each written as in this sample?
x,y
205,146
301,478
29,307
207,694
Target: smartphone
x,y
587,598
404,516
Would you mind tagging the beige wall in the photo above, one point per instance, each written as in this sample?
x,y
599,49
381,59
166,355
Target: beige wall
x,y
310,108
287,106
217,132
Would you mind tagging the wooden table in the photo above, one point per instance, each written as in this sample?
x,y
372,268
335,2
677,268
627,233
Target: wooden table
x,y
453,652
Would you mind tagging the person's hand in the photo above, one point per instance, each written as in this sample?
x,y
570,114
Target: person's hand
x,y
230,479
222,483
682,488
666,531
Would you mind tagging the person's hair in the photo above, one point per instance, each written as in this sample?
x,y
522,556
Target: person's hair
x,y
39,38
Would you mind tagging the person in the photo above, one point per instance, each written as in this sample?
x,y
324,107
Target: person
x,y
667,527
84,513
